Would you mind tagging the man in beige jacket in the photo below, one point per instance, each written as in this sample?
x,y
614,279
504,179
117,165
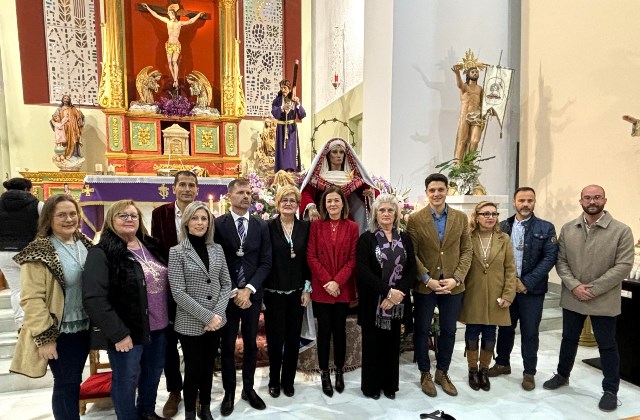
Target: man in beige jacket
x,y
596,254
443,251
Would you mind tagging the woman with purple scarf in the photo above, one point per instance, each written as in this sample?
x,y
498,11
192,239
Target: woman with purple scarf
x,y
386,270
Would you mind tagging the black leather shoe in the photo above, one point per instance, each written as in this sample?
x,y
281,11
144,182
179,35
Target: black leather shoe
x,y
153,416
190,415
254,400
339,380
327,388
390,394
226,408
288,391
375,395
274,391
205,412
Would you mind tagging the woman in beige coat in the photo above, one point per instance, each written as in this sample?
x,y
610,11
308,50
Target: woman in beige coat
x,y
490,288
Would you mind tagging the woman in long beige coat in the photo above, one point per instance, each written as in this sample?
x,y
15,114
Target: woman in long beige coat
x,y
490,288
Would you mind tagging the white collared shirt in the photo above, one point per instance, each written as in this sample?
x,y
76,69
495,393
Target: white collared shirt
x,y
246,216
178,220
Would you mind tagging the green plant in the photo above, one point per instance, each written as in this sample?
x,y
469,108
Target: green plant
x,y
464,175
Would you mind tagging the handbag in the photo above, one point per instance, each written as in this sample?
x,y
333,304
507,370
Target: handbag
x,y
308,330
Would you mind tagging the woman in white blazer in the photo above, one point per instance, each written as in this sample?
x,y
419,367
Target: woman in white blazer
x,y
201,287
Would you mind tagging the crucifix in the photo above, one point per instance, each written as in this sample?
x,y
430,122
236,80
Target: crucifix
x,y
172,46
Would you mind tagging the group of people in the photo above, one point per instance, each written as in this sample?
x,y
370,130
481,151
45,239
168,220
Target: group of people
x,y
197,280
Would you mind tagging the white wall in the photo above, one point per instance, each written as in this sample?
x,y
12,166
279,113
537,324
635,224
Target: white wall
x,y
428,38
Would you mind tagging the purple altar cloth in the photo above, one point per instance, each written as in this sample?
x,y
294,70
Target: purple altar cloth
x,y
101,190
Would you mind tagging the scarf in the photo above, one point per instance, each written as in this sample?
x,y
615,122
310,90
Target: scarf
x,y
392,258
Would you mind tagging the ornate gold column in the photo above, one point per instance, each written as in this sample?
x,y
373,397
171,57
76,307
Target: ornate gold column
x,y
233,104
112,95
586,336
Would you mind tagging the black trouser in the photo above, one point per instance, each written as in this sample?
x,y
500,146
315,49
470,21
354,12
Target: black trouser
x,y
229,334
380,359
283,322
332,322
172,362
199,353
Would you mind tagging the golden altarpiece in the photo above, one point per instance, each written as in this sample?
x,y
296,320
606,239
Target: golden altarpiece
x,y
133,43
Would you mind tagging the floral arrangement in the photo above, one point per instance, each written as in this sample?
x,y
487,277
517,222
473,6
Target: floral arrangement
x,y
402,196
263,203
178,106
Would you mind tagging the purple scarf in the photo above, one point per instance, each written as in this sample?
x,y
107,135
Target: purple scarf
x,y
392,258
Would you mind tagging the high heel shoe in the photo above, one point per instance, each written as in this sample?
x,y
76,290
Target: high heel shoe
x,y
339,380
326,383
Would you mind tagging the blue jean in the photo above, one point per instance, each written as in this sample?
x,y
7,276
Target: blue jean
x,y
527,309
604,329
73,350
449,307
142,364
488,332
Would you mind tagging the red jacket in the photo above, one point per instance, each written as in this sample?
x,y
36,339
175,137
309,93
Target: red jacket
x,y
328,262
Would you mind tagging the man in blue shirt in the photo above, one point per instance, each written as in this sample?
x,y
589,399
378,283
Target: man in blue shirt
x,y
535,248
441,242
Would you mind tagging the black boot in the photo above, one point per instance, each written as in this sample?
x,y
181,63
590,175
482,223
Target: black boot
x,y
486,354
190,415
339,380
327,388
205,412
474,379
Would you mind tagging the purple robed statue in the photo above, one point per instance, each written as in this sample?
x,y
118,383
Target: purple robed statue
x,y
286,110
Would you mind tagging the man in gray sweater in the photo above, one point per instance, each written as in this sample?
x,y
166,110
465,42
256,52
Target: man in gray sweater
x,y
596,254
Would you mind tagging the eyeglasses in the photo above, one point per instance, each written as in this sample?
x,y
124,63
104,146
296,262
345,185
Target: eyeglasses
x,y
386,210
65,216
588,198
125,216
489,214
289,201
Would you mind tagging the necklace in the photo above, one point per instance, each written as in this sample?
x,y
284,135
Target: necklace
x,y
145,262
485,249
288,234
334,227
76,256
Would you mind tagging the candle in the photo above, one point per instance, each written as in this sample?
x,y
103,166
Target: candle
x,y
211,203
111,170
99,168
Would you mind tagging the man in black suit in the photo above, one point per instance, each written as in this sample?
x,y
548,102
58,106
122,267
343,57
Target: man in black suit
x,y
247,249
165,227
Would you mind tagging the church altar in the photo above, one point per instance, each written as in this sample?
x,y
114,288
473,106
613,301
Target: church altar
x,y
148,192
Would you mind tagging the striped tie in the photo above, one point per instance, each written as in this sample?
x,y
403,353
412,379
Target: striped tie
x,y
242,281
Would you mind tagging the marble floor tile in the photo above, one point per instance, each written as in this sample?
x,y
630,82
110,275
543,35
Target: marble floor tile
x,y
506,400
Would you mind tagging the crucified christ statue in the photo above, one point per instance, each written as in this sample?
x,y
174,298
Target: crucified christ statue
x,y
172,46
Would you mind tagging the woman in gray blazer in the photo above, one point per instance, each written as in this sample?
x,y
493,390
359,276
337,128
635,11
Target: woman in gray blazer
x,y
201,287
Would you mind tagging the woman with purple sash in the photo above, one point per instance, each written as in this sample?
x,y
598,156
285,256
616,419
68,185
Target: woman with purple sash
x,y
386,270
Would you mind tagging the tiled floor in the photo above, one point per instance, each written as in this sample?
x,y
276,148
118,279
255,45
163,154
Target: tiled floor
x,y
505,401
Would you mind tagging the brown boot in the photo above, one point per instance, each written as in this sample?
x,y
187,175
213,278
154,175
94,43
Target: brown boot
x,y
486,354
528,382
497,370
427,385
442,378
171,406
472,360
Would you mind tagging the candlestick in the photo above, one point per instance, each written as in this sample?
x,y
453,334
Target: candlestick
x,y
111,170
211,203
99,169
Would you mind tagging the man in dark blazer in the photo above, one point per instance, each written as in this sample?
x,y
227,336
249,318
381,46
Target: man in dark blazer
x,y
247,249
165,227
